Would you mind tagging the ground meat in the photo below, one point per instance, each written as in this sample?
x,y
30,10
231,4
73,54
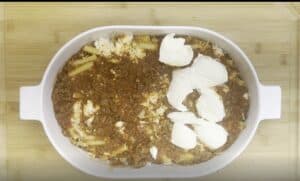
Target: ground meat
x,y
131,96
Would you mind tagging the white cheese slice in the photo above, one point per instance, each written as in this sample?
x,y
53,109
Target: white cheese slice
x,y
179,88
211,134
183,117
153,151
210,105
183,136
173,51
207,72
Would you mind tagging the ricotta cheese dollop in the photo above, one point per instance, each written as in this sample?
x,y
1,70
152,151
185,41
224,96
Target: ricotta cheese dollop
x,y
210,105
174,52
204,73
183,136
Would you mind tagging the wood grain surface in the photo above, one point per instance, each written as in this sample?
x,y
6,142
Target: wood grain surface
x,y
31,33
3,168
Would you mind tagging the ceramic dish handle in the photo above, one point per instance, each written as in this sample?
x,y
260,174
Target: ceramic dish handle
x,y
30,103
270,97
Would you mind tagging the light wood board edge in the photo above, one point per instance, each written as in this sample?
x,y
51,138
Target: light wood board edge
x,y
3,170
84,4
298,94
295,9
295,104
294,74
298,98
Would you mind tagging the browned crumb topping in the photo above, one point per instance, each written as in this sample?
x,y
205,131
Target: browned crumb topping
x,y
112,103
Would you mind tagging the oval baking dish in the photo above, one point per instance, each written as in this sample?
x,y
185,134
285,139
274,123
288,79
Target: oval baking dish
x,y
36,104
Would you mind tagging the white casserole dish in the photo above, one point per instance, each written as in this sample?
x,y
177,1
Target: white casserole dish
x,y
36,104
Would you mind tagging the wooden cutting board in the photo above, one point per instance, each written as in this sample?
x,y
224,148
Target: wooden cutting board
x,y
31,33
